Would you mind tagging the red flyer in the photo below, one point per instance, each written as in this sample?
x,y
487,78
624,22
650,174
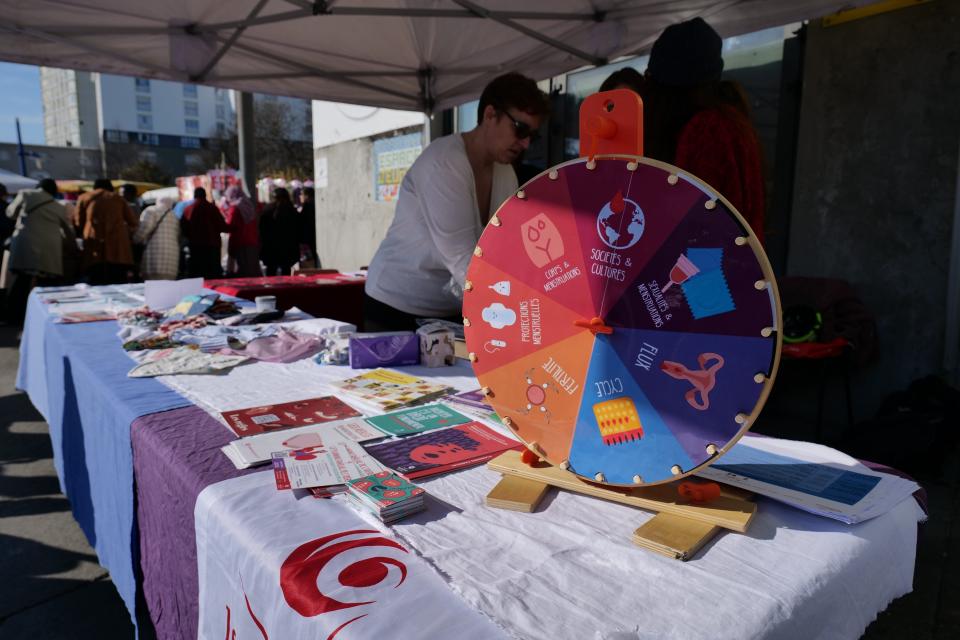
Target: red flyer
x,y
442,450
276,417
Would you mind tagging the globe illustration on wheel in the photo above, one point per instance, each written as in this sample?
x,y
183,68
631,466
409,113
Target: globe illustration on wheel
x,y
622,320
620,223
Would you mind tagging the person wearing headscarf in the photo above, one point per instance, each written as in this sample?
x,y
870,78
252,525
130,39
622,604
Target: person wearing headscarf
x,y
279,234
244,245
696,121
159,231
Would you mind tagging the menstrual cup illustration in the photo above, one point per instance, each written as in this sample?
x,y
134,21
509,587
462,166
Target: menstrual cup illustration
x,y
682,271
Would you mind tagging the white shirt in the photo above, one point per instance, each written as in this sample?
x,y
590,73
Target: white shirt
x,y
422,262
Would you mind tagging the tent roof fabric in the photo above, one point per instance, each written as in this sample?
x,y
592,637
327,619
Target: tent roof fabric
x,y
405,54
15,182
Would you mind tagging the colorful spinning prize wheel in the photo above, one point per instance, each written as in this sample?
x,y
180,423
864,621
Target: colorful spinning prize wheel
x,y
622,320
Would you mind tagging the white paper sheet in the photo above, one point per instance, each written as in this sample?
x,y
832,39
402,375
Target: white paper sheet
x,y
163,294
811,477
253,450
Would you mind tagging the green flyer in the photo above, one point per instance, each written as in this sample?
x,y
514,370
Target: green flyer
x,y
407,421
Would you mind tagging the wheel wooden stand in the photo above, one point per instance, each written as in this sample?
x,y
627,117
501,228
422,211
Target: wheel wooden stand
x,y
678,530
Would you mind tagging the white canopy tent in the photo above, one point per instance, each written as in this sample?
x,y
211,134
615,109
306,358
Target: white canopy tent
x,y
15,182
405,54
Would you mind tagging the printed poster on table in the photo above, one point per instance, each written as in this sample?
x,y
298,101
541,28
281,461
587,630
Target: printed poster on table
x,y
436,452
407,421
276,417
336,461
254,450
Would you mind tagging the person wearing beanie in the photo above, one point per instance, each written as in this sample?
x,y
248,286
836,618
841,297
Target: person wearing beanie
x,y
701,124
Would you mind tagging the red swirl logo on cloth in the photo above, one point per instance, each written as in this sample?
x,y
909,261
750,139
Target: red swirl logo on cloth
x,y
300,572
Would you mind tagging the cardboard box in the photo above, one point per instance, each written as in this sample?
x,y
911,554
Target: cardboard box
x,y
436,345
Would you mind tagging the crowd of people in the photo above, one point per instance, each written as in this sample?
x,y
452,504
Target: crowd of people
x,y
111,238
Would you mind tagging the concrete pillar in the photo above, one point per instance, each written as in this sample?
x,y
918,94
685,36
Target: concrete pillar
x,y
246,148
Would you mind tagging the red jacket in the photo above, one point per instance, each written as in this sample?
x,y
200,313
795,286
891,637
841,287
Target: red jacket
x,y
722,149
242,234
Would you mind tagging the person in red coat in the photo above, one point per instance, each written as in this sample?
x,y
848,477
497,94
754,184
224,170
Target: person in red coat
x,y
696,121
201,224
244,246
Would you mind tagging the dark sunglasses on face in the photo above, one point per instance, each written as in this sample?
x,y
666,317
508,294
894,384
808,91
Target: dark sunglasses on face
x,y
522,129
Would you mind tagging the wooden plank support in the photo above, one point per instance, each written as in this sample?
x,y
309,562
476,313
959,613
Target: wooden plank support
x,y
517,494
729,511
674,536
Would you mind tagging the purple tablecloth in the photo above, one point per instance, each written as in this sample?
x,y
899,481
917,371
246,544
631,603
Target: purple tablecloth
x,y
176,454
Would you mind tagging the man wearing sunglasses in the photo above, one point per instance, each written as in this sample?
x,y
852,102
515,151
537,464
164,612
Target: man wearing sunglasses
x,y
445,200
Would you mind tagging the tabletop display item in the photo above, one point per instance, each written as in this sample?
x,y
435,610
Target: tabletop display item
x,y
79,317
387,349
436,345
254,450
276,417
386,495
417,419
622,318
334,462
387,390
440,451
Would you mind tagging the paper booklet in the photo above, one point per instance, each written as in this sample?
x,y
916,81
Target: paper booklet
x,y
385,389
77,317
336,461
810,477
474,399
443,450
408,421
474,403
254,450
277,417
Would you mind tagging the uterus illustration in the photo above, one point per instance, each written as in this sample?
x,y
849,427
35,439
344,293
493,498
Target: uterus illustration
x,y
703,379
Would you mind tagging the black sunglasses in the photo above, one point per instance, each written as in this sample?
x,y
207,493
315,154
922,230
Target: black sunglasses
x,y
522,129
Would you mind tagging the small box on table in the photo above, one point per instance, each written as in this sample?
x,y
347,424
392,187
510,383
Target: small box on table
x,y
389,349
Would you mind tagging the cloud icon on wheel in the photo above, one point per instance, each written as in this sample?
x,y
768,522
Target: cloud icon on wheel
x,y
499,316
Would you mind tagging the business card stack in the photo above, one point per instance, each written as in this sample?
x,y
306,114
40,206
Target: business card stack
x,y
386,495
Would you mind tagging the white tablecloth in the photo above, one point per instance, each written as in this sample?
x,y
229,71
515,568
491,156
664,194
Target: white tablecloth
x,y
570,570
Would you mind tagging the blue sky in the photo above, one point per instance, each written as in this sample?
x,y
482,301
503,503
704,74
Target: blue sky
x,y
20,97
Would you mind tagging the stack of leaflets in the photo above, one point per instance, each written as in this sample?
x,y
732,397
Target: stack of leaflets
x,y
385,390
386,495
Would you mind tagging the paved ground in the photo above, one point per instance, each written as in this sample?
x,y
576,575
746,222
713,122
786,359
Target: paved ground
x,y
53,588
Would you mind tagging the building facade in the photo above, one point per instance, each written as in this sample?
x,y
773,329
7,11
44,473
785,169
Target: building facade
x,y
69,108
180,128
